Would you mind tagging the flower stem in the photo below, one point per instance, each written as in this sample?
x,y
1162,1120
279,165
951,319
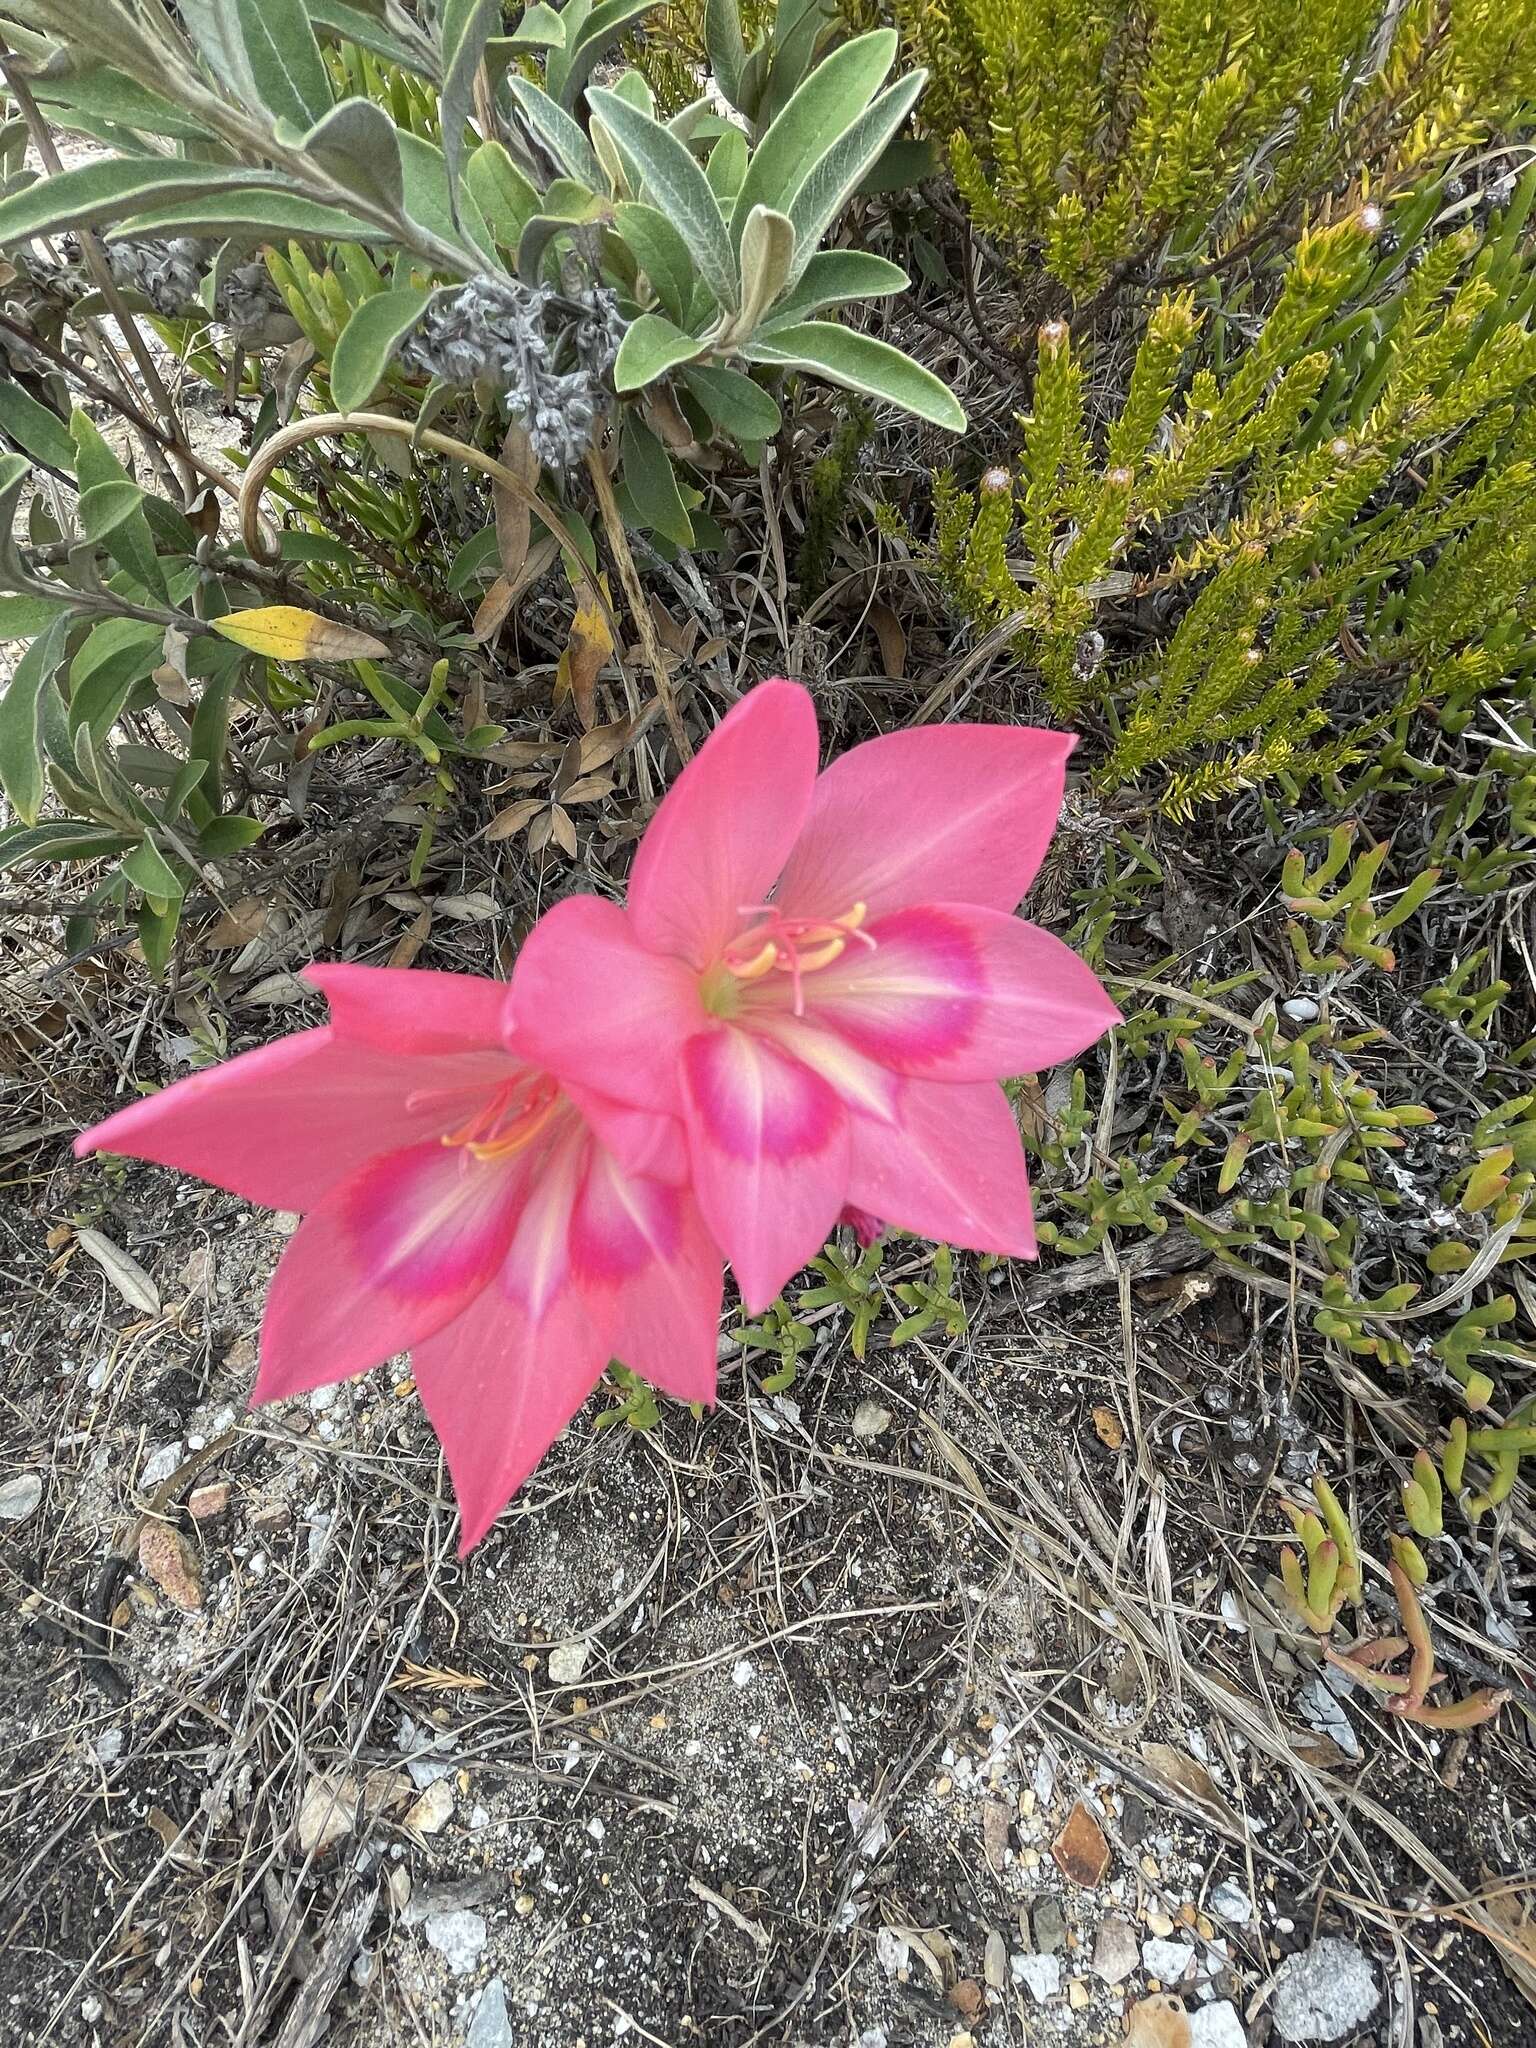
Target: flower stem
x,y
629,576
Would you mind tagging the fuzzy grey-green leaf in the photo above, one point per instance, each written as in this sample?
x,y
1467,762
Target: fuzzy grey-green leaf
x,y
368,342
861,363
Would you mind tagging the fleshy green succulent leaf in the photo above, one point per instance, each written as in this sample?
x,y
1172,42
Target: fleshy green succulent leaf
x,y
860,363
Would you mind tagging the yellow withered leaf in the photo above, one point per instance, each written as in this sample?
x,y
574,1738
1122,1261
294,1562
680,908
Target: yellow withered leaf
x,y
589,646
286,632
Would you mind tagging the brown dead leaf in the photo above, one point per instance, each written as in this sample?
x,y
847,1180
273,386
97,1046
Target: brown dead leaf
x,y
1189,1777
491,612
171,1562
1080,1850
509,822
125,1273
514,516
242,922
1158,2022
892,637
1106,1427
407,947
676,639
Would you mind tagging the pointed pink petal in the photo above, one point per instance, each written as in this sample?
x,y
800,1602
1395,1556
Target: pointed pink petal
x,y
961,994
654,1146
769,1145
860,1081
591,1005
498,1389
942,813
725,827
952,1170
645,1247
391,1256
410,1009
538,1267
282,1125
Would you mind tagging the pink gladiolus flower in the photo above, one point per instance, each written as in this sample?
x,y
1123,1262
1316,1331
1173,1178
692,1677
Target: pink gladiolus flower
x,y
822,977
460,1203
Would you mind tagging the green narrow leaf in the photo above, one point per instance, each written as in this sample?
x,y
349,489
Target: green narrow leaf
x,y
540,28
602,28
652,483
502,193
263,213
836,174
367,345
114,657
727,166
101,94
427,202
112,506
860,363
651,346
284,59
157,924
356,25
22,775
677,186
108,191
58,839
725,47
823,109
221,837
832,278
35,428
22,618
357,143
660,252
735,404
148,870
464,27
552,127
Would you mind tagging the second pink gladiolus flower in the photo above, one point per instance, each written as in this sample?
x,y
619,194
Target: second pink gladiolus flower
x,y
460,1203
822,978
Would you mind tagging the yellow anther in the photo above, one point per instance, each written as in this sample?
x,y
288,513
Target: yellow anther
x,y
760,964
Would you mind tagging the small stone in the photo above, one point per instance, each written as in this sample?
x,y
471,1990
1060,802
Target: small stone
x,y
1049,1924
21,1497
325,1813
1231,1903
431,1813
1116,1952
994,1831
1325,1992
1168,1961
995,1963
399,1884
160,1464
491,2027
1300,1009
91,2010
207,1503
870,1420
1078,1994
168,1558
742,1673
108,1746
523,1904
1216,2026
1080,1850
458,1936
1158,1922
1042,1974
567,1661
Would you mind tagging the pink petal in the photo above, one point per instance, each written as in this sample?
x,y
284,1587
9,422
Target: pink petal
x,y
860,1081
498,1388
646,1246
592,1005
654,1146
769,1144
942,813
283,1125
538,1267
726,825
410,1009
391,1256
961,994
952,1170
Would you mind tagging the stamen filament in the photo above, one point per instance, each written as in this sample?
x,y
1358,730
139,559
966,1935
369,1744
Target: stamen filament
x,y
795,946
